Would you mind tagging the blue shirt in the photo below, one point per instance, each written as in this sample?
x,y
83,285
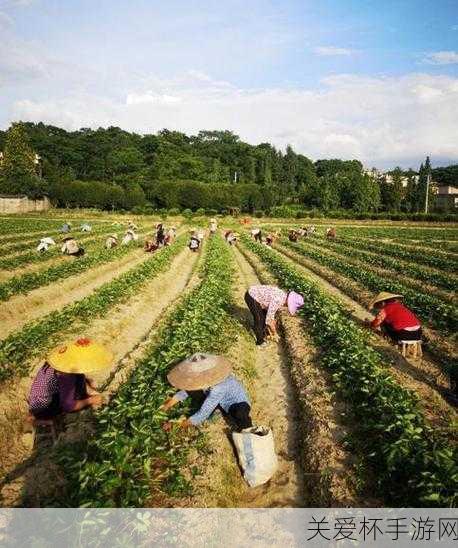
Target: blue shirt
x,y
223,394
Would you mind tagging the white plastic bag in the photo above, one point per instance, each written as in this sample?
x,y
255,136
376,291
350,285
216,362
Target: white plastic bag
x,y
256,453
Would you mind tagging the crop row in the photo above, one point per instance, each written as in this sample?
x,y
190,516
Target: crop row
x,y
430,258
438,347
33,257
18,225
407,233
410,269
432,310
408,462
129,454
19,347
32,280
29,242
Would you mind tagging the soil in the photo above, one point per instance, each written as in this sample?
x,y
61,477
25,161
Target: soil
x,y
329,474
264,372
22,309
421,286
126,330
422,376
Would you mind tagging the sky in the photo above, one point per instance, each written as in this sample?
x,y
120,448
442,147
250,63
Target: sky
x,y
368,79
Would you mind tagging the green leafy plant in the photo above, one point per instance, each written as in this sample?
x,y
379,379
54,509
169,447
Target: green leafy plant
x,y
410,463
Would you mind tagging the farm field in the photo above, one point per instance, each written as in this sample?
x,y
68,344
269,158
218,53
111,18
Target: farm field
x,y
355,423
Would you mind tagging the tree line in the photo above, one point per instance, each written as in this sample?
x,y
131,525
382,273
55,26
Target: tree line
x,y
115,169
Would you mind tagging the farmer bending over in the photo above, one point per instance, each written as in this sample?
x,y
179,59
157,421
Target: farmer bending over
x,y
293,236
212,375
394,319
213,227
194,242
331,233
44,244
111,241
61,385
71,247
263,302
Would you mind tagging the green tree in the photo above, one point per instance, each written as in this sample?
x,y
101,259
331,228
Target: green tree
x,y
18,175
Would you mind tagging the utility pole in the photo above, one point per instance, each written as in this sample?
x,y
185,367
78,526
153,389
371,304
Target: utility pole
x,y
428,180
235,176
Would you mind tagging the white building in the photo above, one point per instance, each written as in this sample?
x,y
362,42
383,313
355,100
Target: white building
x,y
447,195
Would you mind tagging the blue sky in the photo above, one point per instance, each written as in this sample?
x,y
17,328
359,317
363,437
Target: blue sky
x,y
376,80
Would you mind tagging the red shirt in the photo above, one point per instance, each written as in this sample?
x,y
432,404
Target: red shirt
x,y
396,315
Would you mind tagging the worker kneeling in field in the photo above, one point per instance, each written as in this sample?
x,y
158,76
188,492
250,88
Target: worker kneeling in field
x,y
264,301
71,247
61,385
111,241
129,236
212,375
194,242
44,244
395,320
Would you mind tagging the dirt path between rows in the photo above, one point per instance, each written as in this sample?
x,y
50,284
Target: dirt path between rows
x,y
22,309
422,376
265,373
126,330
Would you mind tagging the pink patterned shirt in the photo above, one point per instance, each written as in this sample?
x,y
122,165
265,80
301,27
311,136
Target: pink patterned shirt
x,y
270,297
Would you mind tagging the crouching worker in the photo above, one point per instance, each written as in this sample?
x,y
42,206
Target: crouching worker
x,y
71,247
194,242
213,376
61,385
44,244
394,319
264,301
111,241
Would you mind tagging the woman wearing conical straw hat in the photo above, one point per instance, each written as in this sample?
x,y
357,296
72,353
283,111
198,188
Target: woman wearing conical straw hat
x,y
212,375
395,319
61,385
111,241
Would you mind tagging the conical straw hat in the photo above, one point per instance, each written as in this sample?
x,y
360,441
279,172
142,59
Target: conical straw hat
x,y
199,371
81,356
383,296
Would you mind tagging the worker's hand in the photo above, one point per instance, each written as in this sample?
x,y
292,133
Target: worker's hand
x,y
168,404
271,328
185,424
96,400
167,426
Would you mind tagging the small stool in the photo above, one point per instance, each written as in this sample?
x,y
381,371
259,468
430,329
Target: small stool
x,y
417,351
48,423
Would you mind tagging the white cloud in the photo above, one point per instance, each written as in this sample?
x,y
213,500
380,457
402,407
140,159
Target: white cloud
x,y
151,98
328,51
6,22
441,58
381,121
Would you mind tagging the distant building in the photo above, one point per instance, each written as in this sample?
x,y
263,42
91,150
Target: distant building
x,y
447,196
19,203
388,176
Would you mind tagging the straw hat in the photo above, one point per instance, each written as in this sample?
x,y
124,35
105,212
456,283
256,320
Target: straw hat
x,y
384,296
81,356
115,236
199,371
68,238
213,220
